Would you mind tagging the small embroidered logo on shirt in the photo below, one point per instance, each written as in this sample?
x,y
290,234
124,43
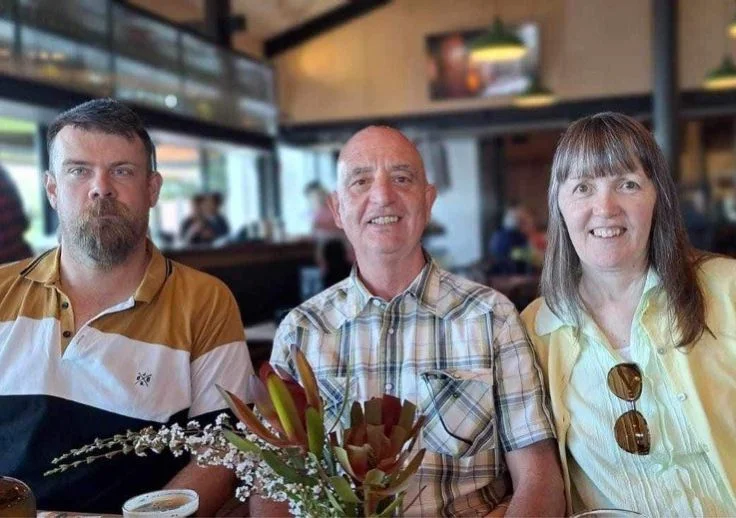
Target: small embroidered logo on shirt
x,y
143,379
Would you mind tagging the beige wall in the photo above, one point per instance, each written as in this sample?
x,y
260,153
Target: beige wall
x,y
375,65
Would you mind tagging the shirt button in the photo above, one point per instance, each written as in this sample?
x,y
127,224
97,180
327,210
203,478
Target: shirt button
x,y
64,305
455,395
389,386
391,331
67,334
682,396
661,350
376,302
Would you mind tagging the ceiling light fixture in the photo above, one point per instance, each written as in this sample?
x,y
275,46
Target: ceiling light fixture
x,y
498,44
535,96
723,77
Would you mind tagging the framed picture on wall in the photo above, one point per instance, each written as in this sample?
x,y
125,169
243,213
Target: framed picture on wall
x,y
452,75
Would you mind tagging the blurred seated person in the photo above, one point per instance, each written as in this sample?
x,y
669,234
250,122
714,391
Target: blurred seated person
x,y
728,207
13,222
509,245
323,224
334,262
206,224
697,221
536,238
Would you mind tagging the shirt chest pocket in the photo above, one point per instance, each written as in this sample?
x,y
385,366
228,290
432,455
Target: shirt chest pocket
x,y
460,411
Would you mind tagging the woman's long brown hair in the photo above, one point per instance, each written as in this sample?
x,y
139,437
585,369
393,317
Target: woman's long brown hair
x,y
609,144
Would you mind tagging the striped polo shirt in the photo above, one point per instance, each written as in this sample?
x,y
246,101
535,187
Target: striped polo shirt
x,y
152,359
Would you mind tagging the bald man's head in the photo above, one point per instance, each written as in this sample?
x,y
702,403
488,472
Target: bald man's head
x,y
383,199
378,140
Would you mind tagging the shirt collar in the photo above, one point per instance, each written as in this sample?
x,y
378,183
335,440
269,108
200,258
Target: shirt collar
x,y
547,321
45,269
424,288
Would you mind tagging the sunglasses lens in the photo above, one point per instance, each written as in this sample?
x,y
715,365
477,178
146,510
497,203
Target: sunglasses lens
x,y
624,380
632,433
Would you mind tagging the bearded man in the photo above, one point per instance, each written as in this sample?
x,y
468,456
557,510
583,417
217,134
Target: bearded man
x,y
103,334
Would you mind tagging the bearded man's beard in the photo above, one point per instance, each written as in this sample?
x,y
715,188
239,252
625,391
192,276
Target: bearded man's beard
x,y
107,232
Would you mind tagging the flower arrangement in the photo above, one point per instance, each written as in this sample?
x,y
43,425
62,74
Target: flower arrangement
x,y
284,452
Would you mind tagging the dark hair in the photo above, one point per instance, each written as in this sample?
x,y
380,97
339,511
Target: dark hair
x,y
609,144
107,116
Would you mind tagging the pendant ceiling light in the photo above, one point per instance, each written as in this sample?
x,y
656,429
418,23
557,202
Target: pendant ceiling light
x,y
498,44
535,96
723,77
732,28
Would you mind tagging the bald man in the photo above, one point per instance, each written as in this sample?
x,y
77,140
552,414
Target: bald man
x,y
403,326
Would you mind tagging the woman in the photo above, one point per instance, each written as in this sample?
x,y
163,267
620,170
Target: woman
x,y
636,332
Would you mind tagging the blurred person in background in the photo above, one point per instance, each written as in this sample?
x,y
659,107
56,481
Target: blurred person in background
x,y
211,206
509,245
205,224
334,263
13,222
636,332
323,224
536,238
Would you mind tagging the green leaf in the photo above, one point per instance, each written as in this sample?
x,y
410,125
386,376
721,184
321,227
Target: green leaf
x,y
392,507
306,375
286,409
374,478
249,419
315,431
335,504
284,470
400,482
345,397
241,443
344,490
342,458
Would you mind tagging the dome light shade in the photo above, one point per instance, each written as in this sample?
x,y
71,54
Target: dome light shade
x,y
498,44
535,96
732,28
723,77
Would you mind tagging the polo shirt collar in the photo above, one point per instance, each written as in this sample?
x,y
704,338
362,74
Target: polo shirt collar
x,y
158,270
45,269
547,321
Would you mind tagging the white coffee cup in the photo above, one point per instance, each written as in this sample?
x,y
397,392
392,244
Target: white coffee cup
x,y
166,503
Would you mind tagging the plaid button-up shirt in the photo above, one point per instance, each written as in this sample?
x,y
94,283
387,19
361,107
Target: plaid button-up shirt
x,y
455,348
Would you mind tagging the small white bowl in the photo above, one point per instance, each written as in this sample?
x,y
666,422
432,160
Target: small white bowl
x,y
167,503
